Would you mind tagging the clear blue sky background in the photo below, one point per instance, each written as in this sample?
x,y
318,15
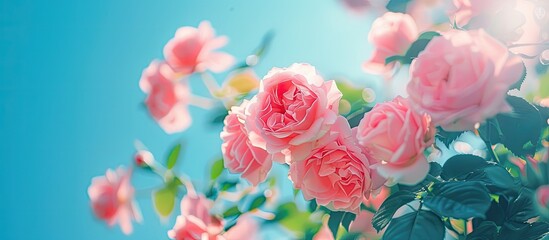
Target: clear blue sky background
x,y
70,105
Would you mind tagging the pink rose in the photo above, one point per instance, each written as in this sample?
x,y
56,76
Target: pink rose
x,y
246,228
363,224
336,174
168,98
239,154
192,50
542,201
324,233
396,136
112,199
465,10
195,221
391,34
462,78
294,107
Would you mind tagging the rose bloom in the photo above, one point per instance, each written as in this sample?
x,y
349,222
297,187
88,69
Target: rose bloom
x,y
167,98
112,199
192,50
391,34
396,136
239,154
324,233
294,108
336,174
542,201
462,78
195,221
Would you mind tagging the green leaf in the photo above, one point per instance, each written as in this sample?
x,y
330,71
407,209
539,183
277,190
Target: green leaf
x,y
461,164
289,217
461,200
173,156
217,169
486,230
396,58
520,130
526,231
389,207
419,45
416,225
164,200
257,202
334,221
231,212
397,5
312,205
447,137
495,177
348,218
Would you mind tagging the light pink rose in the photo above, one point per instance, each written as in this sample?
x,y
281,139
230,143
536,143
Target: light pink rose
x,y
462,78
464,10
192,50
363,224
336,174
239,154
167,98
294,108
396,135
391,34
112,199
195,221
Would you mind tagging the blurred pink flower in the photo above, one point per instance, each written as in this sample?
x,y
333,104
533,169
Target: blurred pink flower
x,y
112,199
542,201
336,174
246,228
464,10
192,50
195,221
294,108
396,136
391,34
462,78
168,98
363,224
324,233
239,155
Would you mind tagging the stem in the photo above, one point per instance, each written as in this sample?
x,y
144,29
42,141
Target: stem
x,y
210,83
202,102
489,145
433,178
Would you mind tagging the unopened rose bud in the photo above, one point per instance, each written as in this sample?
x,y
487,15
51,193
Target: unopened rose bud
x,y
143,158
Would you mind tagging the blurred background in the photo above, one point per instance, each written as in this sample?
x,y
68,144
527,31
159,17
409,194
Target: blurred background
x,y
71,107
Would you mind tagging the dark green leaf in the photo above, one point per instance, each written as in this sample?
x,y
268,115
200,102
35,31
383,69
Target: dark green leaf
x,y
313,205
461,200
487,230
419,45
217,169
396,58
334,221
416,225
397,5
231,212
520,130
227,185
447,137
257,202
174,155
388,208
461,164
526,231
351,236
347,219
495,177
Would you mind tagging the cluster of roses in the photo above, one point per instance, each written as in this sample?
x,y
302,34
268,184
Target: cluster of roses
x,y
459,80
166,82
